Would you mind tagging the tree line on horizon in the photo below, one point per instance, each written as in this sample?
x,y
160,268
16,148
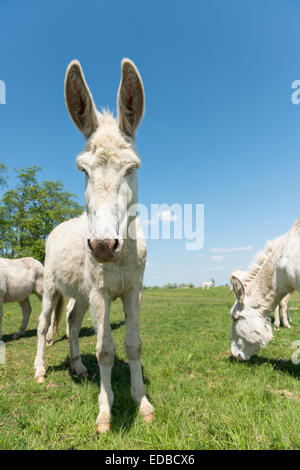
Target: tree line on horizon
x,y
30,211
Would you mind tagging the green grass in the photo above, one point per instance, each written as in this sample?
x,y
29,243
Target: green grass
x,y
203,399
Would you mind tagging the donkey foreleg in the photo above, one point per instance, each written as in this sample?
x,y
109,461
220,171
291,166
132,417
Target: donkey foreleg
x,y
133,345
105,351
26,311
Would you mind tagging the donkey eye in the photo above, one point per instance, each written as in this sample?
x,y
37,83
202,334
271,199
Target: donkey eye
x,y
129,172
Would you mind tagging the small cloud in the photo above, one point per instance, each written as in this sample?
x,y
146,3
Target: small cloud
x,y
229,250
199,255
243,248
221,250
217,268
218,259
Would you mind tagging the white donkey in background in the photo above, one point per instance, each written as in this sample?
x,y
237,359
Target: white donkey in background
x,y
101,255
19,278
207,285
268,282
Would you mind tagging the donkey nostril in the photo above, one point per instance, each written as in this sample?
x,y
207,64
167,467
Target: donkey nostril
x,y
116,245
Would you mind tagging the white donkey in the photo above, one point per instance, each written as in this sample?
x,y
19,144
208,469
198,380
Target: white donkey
x,y
19,278
207,285
101,255
268,282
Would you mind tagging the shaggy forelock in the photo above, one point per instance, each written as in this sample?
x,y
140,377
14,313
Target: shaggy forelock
x,y
108,142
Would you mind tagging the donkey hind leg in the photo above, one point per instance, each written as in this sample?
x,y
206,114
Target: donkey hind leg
x,y
1,316
105,351
51,331
49,302
75,318
284,311
69,309
26,311
277,319
133,346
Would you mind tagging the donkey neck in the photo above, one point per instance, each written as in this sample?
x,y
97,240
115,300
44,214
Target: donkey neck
x,y
264,293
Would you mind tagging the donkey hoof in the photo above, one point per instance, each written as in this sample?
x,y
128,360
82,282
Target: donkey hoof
x,y
148,417
102,427
17,335
83,375
40,379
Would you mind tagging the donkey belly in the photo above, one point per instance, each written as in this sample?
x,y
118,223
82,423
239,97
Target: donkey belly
x,y
19,285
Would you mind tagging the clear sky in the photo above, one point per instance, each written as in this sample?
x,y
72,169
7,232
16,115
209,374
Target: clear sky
x,y
220,127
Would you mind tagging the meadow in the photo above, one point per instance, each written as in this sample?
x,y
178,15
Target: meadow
x,y
203,398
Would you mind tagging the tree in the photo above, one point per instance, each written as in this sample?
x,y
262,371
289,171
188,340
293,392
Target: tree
x,y
2,175
29,212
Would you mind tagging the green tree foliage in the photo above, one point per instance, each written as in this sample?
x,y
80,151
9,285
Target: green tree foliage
x,y
2,175
29,212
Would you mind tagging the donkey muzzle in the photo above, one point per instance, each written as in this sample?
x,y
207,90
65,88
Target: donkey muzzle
x,y
104,250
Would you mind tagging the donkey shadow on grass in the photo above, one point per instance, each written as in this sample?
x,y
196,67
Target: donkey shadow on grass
x,y
89,331
7,338
286,366
84,332
124,410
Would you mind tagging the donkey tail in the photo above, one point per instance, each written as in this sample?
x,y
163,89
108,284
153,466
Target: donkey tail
x,y
58,311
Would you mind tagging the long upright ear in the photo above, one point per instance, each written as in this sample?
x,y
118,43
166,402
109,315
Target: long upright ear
x,y
79,100
238,288
131,98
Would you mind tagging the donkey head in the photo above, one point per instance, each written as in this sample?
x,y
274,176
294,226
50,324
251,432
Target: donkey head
x,y
251,331
109,159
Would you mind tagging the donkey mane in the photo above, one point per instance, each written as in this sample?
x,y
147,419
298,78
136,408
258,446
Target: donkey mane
x,y
257,263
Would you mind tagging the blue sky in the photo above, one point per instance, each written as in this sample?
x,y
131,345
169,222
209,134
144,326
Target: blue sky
x,y
220,127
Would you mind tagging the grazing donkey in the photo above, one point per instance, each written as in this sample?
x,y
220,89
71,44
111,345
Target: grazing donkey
x,y
19,278
272,276
101,255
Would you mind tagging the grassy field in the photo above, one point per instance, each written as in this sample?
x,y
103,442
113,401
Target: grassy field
x,y
203,399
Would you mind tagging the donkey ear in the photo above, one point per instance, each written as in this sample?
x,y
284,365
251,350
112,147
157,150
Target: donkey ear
x,y
79,100
238,288
131,98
